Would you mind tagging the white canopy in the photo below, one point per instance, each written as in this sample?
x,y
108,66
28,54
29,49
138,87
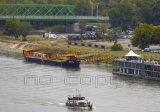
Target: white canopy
x,y
131,53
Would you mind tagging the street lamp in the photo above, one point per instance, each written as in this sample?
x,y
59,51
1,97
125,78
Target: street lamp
x,y
97,8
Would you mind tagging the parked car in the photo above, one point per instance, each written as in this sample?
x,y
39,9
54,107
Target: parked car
x,y
155,51
146,50
63,37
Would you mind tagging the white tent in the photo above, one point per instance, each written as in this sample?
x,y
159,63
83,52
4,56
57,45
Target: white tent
x,y
131,53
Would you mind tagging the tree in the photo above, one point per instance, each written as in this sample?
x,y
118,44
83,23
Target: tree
x,y
98,34
104,12
2,2
143,36
121,14
113,35
41,2
101,7
82,25
28,2
101,30
116,47
148,11
156,35
83,7
13,27
25,29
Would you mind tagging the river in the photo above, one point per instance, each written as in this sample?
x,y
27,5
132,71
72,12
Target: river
x,y
31,87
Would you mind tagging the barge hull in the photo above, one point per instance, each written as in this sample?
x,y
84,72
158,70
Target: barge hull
x,y
138,76
69,63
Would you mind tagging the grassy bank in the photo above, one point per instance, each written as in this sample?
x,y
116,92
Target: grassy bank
x,y
60,46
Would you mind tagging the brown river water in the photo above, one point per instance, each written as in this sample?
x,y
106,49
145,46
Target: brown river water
x,y
30,87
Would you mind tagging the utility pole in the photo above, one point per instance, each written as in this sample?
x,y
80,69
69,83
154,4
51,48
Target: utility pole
x,y
97,8
91,9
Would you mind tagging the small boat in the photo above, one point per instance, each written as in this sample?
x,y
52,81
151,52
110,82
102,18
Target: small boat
x,y
78,101
70,60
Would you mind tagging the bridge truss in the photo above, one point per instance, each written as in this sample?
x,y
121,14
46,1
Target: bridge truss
x,y
36,10
43,12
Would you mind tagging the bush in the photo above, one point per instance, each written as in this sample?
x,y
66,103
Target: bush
x,y
117,47
24,39
58,28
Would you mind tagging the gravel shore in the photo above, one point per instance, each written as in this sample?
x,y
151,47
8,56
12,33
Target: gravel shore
x,y
14,47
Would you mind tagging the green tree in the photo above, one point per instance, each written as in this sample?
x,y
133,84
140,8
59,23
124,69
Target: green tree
x,y
83,7
26,27
101,30
98,34
148,11
121,14
2,2
156,35
113,35
116,47
82,25
143,36
58,28
28,2
104,1
101,7
13,27
41,2
104,12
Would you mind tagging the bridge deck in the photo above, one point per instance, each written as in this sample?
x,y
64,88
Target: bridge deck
x,y
57,18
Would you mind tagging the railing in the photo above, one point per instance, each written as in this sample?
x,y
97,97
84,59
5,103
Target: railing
x,y
138,61
57,17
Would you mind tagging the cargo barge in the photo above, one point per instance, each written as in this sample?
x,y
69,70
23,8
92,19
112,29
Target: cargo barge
x,y
134,66
70,60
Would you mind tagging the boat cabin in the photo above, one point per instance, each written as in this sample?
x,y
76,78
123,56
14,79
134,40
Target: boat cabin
x,y
71,56
79,98
28,51
76,98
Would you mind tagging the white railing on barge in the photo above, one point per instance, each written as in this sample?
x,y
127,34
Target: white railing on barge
x,y
137,61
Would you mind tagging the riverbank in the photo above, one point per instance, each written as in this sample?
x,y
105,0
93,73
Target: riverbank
x,y
15,46
60,46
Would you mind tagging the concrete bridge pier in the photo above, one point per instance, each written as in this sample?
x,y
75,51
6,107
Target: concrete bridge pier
x,y
72,27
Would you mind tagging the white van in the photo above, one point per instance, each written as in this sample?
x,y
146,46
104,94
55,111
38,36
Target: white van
x,y
49,36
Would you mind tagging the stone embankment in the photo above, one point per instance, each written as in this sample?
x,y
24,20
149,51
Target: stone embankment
x,y
15,46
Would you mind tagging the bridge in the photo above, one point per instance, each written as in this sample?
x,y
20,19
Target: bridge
x,y
44,12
